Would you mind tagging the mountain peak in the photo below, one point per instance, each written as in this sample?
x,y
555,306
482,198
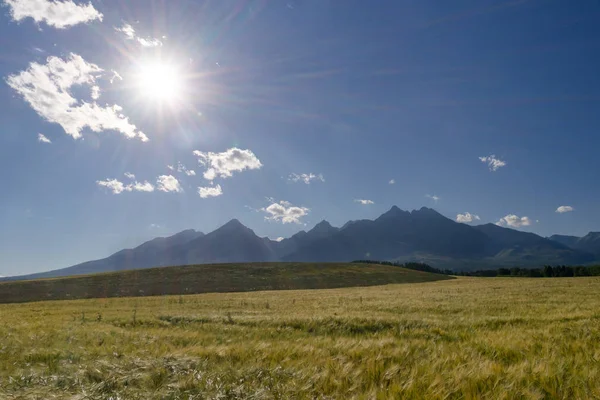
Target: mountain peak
x,y
393,212
426,211
233,224
323,225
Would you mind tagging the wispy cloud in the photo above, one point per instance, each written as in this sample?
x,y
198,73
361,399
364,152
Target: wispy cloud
x,y
117,187
168,183
58,14
47,90
564,209
43,139
285,212
129,175
364,201
392,182
306,178
279,239
130,34
433,197
182,168
206,192
514,221
467,218
492,162
223,165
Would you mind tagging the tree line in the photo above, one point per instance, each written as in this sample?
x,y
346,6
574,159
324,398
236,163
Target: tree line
x,y
548,271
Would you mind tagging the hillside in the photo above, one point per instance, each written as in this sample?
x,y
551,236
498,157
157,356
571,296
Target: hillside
x,y
210,278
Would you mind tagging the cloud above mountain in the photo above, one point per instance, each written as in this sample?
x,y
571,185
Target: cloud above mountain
x,y
514,221
285,212
467,218
364,201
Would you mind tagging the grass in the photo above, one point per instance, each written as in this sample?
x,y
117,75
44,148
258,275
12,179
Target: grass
x,y
210,278
466,338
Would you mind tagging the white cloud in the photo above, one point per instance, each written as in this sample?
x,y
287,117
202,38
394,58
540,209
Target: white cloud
x,y
47,90
224,164
129,175
467,217
114,185
142,186
433,197
493,163
168,183
118,187
205,192
279,239
285,212
306,178
392,181
95,92
514,221
364,202
564,209
130,34
43,139
59,14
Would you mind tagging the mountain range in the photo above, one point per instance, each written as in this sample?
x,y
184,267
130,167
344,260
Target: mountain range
x,y
420,235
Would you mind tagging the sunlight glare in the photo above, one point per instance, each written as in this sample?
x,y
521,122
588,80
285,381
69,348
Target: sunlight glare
x,y
160,82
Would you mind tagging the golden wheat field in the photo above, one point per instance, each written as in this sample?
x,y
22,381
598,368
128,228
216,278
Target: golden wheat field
x,y
467,338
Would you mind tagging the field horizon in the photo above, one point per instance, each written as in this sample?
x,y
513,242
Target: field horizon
x,y
209,278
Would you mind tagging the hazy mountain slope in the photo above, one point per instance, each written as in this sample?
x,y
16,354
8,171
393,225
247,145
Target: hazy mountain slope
x,y
568,241
288,246
589,243
509,246
153,253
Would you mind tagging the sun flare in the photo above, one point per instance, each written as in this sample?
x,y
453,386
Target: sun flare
x,y
160,82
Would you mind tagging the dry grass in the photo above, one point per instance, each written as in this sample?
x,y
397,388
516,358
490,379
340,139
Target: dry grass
x,y
469,338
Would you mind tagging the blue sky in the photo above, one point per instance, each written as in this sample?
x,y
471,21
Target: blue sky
x,y
355,93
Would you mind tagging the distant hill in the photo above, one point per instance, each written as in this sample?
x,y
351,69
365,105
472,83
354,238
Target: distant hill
x,y
568,241
211,278
420,235
589,243
512,247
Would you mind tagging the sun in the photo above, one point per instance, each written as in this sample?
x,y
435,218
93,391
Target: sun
x,y
160,82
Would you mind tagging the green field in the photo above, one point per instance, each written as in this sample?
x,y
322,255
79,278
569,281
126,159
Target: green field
x,y
465,338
